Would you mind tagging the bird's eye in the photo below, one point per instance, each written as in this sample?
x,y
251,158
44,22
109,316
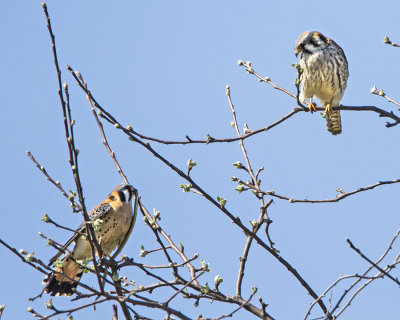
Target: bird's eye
x,y
111,197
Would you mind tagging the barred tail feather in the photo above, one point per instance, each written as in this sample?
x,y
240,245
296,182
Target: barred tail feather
x,y
334,122
60,284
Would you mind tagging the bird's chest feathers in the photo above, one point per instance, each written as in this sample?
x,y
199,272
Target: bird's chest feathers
x,y
113,229
317,77
317,68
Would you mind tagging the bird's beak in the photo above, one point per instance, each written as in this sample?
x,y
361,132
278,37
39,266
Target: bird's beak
x,y
297,52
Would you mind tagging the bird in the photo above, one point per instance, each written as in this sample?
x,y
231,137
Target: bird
x,y
324,74
114,216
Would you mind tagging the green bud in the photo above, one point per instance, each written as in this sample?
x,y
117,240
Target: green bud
x,y
49,304
373,90
142,252
97,224
205,266
238,165
239,189
253,222
156,214
221,201
191,163
29,257
218,280
186,187
58,263
205,289
45,218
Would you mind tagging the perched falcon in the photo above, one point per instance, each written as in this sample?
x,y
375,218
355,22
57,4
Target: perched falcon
x,y
325,74
115,216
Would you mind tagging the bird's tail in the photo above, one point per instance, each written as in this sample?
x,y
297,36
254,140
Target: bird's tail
x,y
64,281
333,122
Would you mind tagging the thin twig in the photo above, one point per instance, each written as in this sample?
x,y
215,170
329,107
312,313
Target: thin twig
x,y
183,287
238,308
387,41
384,254
75,206
370,261
169,240
378,275
73,156
341,278
176,265
339,197
115,312
234,219
69,311
382,93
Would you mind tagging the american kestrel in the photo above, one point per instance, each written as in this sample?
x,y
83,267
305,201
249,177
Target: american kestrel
x,y
114,216
325,73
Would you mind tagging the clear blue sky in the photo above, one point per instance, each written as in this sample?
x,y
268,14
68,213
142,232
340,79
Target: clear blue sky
x,y
162,67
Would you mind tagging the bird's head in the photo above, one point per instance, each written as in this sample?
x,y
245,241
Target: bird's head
x,y
124,193
310,42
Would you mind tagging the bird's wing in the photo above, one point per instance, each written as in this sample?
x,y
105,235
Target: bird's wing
x,y
96,213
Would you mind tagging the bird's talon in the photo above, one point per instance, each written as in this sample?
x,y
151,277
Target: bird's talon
x,y
328,109
312,107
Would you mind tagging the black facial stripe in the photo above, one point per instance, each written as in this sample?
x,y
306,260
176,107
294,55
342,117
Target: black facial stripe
x,y
121,196
323,38
314,42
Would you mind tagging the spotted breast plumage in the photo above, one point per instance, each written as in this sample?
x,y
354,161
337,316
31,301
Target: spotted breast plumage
x,y
114,216
325,73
